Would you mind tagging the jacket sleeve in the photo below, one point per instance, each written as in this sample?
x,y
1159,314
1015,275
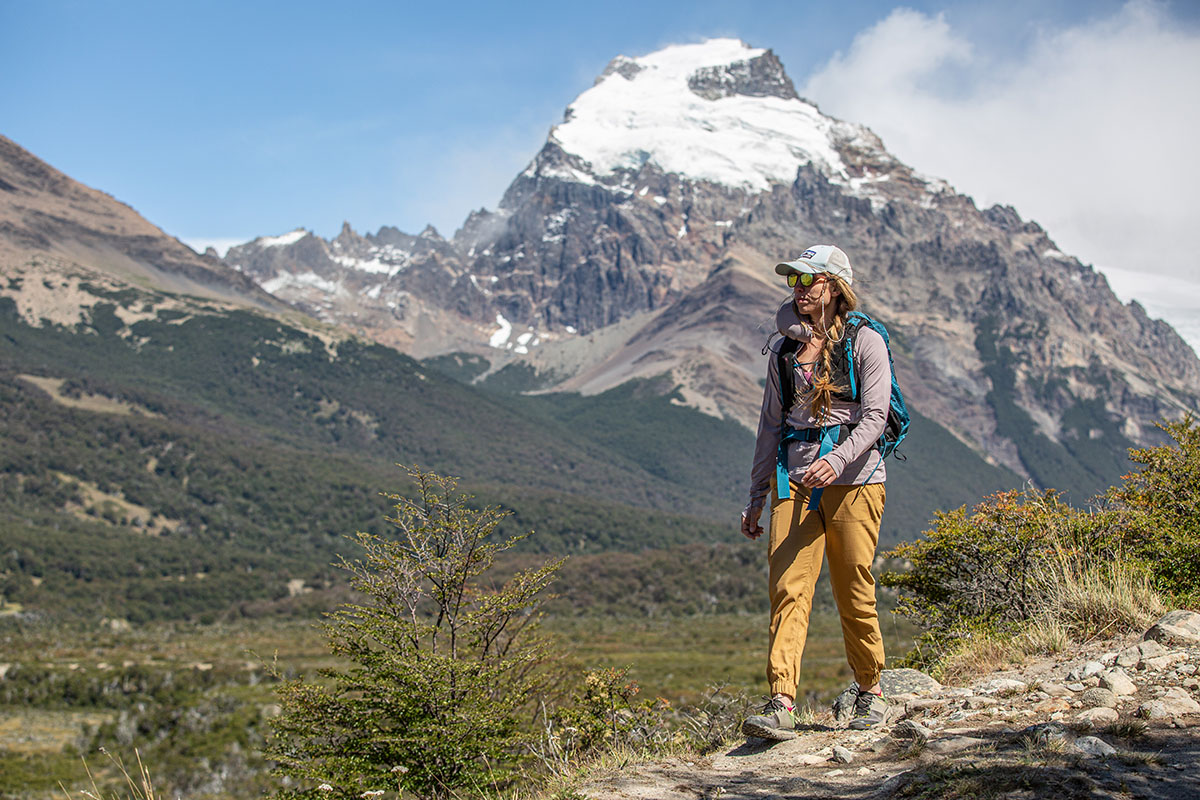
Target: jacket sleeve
x,y
766,445
875,379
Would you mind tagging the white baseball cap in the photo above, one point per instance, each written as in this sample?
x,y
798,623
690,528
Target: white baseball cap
x,y
820,258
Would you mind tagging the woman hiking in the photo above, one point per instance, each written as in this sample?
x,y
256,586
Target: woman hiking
x,y
833,499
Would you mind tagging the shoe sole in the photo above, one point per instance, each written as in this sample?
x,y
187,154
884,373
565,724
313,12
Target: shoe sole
x,y
760,732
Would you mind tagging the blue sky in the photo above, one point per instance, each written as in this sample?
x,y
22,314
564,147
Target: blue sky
x,y
222,121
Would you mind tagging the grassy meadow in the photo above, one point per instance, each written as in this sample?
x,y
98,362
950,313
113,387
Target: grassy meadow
x,y
194,700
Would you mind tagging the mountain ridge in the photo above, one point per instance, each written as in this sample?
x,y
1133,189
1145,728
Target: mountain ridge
x,y
611,223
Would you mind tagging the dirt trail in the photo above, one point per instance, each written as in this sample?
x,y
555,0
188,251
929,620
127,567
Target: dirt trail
x,y
1114,719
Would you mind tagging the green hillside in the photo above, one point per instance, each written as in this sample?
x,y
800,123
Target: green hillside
x,y
208,463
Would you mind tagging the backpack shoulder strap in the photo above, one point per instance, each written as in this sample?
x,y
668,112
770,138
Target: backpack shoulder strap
x,y
787,378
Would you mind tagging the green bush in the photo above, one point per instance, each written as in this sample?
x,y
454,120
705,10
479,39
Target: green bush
x,y
1021,561
1161,510
993,569
443,665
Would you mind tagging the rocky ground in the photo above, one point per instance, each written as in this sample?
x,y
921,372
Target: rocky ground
x,y
1112,719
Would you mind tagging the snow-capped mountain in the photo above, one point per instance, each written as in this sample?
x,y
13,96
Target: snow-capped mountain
x,y
640,242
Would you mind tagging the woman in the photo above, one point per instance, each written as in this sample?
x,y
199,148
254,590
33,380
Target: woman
x,y
833,499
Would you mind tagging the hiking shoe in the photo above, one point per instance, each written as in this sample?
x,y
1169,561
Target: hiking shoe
x,y
870,711
776,722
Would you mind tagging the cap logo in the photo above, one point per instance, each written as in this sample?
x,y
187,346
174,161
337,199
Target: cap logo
x,y
808,254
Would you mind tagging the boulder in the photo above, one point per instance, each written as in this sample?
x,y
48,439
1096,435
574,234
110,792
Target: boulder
x,y
1178,628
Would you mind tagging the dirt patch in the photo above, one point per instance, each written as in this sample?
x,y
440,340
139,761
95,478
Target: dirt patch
x,y
97,403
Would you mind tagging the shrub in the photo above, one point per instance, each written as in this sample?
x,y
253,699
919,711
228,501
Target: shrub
x,y
1018,560
1023,570
1161,509
442,665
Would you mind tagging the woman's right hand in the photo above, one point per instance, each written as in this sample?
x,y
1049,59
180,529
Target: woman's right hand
x,y
750,527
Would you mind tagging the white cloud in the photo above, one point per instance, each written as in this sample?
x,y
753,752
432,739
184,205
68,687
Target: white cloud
x,y
1090,130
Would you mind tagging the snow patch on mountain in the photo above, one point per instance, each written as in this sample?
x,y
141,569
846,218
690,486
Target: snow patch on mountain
x,y
306,280
281,241
643,110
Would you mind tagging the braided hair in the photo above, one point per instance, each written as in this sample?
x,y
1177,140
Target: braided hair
x,y
820,396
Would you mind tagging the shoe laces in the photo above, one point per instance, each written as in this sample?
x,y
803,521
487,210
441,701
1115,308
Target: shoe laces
x,y
775,704
862,703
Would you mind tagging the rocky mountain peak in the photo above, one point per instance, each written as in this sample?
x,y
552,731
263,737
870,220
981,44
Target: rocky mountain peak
x,y
718,111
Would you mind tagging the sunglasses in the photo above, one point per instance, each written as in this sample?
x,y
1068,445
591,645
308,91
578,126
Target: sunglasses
x,y
805,279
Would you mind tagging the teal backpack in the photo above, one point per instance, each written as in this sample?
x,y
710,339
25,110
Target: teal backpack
x,y
842,367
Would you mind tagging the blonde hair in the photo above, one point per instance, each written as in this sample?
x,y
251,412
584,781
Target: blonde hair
x,y
820,396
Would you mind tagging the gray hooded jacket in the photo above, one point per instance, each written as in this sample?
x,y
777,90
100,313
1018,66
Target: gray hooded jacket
x,y
856,460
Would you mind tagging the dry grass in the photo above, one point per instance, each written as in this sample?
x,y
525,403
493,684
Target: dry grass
x,y
1102,599
139,788
1084,599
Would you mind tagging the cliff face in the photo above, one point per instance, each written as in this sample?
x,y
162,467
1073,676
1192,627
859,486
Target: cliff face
x,y
640,241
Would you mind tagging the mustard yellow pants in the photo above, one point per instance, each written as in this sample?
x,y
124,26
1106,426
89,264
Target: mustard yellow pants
x,y
844,526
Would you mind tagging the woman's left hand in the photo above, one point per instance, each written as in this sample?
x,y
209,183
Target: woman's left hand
x,y
818,475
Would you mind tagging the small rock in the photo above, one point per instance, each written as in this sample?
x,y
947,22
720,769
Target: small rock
x,y
958,716
1052,705
1118,682
1096,717
1152,709
1098,697
980,702
1002,686
909,731
833,773
1151,649
1076,687
1091,668
1178,701
923,704
1045,732
1178,628
1037,697
809,760
902,681
1187,669
1091,746
841,755
1057,689
953,744
1159,663
864,770
1107,659
1129,657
